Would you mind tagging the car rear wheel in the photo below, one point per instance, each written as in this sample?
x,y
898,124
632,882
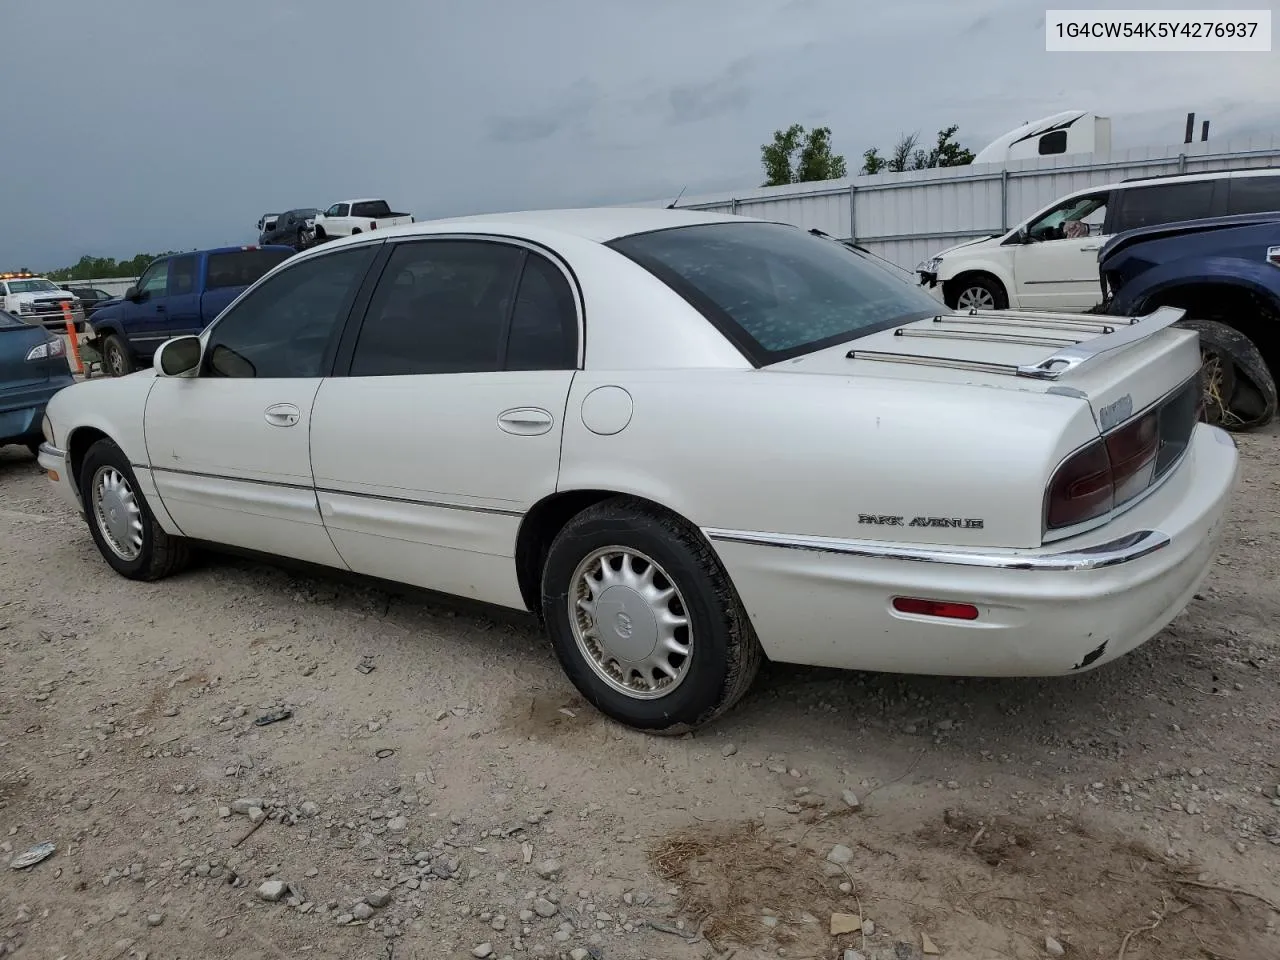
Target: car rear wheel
x,y
120,521
116,357
644,619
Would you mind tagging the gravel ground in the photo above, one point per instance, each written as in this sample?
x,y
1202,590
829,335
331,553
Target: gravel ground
x,y
431,787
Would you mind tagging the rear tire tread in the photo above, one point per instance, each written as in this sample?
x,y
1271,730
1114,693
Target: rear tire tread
x,y
743,651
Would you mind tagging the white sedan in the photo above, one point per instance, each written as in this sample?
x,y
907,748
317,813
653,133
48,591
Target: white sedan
x,y
685,441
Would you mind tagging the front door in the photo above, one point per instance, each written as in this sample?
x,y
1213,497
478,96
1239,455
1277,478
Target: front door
x,y
446,428
146,318
1057,268
229,448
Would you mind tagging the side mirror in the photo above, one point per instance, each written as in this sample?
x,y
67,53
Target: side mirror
x,y
132,294
179,357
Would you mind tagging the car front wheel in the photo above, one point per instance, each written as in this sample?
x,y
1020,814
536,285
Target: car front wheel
x,y
115,356
644,619
120,521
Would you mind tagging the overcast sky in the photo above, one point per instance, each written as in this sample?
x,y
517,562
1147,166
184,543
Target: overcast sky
x,y
137,125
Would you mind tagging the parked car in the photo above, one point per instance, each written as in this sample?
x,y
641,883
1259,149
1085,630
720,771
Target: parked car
x,y
90,299
267,221
547,411
293,228
1225,273
1049,261
175,295
33,367
37,299
356,216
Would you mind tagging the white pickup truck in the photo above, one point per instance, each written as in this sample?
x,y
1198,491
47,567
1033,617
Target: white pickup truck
x,y
356,216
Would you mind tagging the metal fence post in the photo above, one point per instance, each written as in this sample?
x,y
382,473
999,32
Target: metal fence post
x,y
853,221
1182,163
733,205
1004,200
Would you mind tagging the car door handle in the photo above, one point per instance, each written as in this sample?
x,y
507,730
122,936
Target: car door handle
x,y
525,421
160,308
1096,246
281,415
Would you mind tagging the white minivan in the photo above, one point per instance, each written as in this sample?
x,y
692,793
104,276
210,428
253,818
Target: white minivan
x,y
1050,260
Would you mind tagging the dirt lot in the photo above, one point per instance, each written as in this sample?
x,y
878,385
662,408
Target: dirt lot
x,y
438,791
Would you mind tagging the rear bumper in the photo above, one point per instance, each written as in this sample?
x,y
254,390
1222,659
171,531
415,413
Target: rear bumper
x,y
1045,612
22,410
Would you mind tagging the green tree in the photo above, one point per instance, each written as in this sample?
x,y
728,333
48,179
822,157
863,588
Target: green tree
x,y
797,157
105,268
907,154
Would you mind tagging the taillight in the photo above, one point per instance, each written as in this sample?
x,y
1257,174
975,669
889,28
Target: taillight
x,y
1132,451
1124,463
1082,488
50,349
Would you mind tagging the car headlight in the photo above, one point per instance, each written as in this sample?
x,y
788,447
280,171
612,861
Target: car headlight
x,y
26,306
46,427
929,266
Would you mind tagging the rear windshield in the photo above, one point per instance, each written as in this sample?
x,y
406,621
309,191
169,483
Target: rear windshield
x,y
239,268
777,291
371,208
8,321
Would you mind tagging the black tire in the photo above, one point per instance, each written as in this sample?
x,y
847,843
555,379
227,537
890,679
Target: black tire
x,y
976,281
160,554
725,654
116,358
1239,390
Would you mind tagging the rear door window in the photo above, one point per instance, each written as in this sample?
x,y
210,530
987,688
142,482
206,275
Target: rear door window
x,y
1165,203
1253,195
240,268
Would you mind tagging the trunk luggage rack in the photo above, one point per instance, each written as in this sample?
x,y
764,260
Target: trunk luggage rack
x,y
1102,336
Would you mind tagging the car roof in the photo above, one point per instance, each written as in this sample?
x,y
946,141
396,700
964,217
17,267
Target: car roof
x,y
599,224
1163,178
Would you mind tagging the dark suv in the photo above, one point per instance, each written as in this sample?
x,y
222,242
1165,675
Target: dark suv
x,y
293,228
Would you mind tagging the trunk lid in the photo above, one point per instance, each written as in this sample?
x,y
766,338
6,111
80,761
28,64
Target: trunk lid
x,y
1119,365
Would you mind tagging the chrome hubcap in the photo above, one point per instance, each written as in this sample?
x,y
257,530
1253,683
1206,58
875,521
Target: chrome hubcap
x,y
978,298
118,513
630,623
116,357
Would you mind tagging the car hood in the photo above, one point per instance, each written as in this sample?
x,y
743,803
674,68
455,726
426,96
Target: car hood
x,y
968,243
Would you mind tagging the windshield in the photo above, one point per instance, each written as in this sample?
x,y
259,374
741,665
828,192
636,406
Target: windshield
x,y
774,290
38,285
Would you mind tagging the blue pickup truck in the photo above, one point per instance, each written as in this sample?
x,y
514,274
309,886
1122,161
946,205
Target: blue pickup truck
x,y
1225,273
176,296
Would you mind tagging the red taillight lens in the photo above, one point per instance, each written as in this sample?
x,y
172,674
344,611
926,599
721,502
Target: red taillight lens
x,y
1132,451
1082,488
936,608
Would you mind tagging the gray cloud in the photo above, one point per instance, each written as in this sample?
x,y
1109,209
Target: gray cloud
x,y
175,125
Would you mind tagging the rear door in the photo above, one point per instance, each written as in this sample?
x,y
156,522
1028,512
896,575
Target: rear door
x,y
446,428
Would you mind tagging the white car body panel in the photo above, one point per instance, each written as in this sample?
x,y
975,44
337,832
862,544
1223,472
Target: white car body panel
x,y
228,475
414,478
445,511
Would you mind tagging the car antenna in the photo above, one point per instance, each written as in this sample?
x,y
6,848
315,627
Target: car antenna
x,y
672,204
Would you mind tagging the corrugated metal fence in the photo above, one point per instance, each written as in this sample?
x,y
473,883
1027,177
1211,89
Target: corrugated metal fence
x,y
907,217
